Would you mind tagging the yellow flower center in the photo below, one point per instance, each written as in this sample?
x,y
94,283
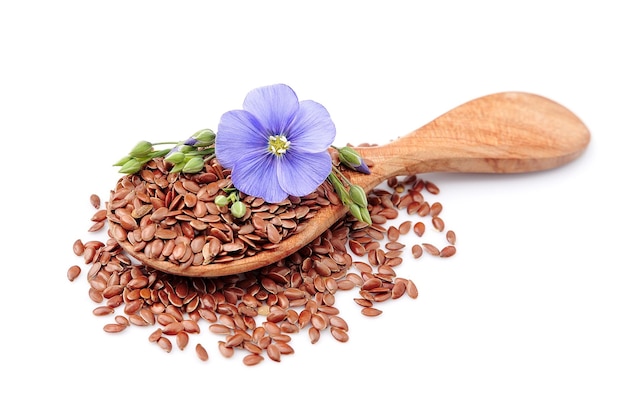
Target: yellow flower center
x,y
278,145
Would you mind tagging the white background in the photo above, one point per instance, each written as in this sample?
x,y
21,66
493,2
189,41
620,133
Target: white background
x,y
530,314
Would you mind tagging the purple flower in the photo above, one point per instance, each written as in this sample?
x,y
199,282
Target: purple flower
x,y
276,146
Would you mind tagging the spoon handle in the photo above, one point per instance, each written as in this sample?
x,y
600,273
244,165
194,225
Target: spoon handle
x,y
501,133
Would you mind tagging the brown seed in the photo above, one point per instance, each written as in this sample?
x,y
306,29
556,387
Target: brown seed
x,y
273,352
201,352
356,247
314,335
95,295
430,249
393,233
156,334
451,237
338,322
394,245
220,329
424,209
447,251
99,215
182,339
79,247
114,328
95,200
73,272
411,289
340,334
173,328
234,340
435,209
165,344
419,228
405,227
252,359
371,311
431,187
371,283
417,251
398,289
173,216
438,223
224,350
363,302
318,321
103,310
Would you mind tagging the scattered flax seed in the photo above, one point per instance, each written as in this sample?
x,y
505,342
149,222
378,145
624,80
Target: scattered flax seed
x,y
174,216
95,201
201,352
165,344
430,249
252,359
419,228
447,251
451,237
417,250
371,311
431,187
73,272
438,223
411,289
114,328
405,227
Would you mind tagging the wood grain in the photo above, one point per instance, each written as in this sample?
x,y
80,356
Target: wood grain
x,y
509,132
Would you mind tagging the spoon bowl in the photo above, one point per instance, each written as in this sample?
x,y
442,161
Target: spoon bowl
x,y
500,133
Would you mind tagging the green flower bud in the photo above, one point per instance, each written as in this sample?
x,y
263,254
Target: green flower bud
x,y
194,165
238,209
186,149
131,166
142,149
339,188
365,216
205,137
176,157
122,161
178,167
349,157
357,194
221,200
355,210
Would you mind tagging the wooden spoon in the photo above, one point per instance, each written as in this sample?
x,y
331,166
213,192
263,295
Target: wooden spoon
x,y
499,133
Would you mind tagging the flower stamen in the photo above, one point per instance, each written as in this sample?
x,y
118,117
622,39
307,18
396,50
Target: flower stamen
x,y
278,145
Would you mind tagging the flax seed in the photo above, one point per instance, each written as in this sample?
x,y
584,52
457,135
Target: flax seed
x,y
451,237
173,217
371,311
73,272
447,251
252,359
431,249
201,352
